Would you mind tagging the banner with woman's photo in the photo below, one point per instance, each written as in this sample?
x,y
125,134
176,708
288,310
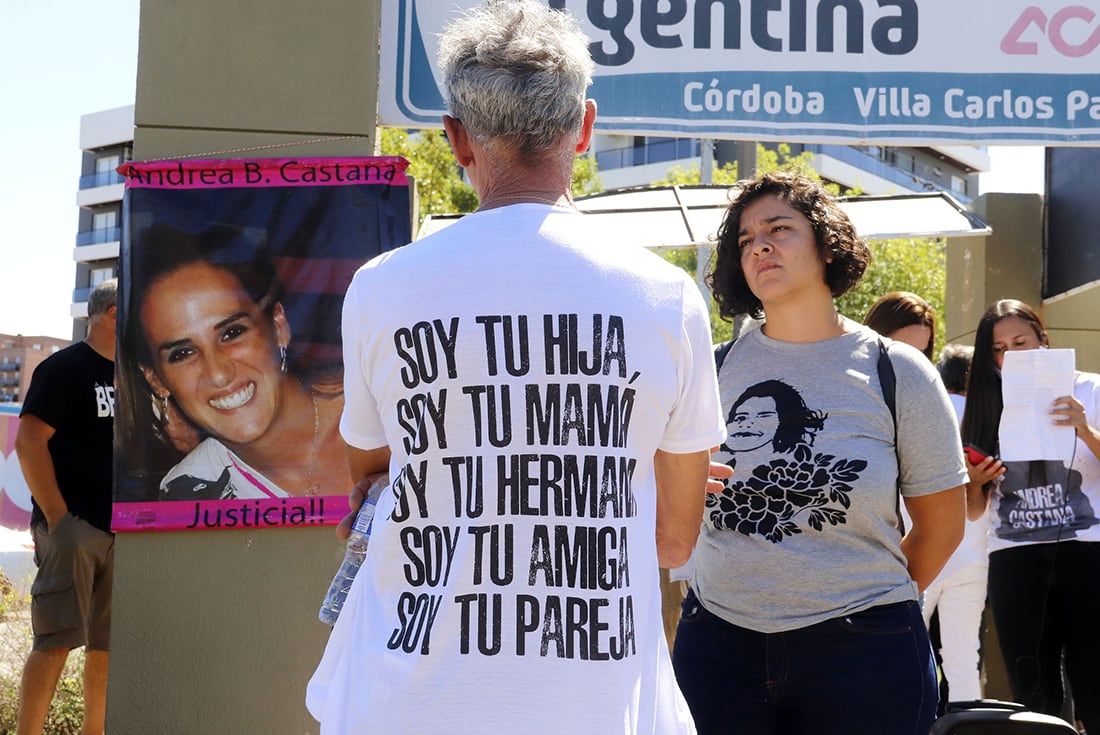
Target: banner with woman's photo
x,y
230,372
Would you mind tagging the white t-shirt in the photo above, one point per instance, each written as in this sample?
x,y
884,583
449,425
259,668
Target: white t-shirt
x,y
524,370
973,549
806,529
1043,502
212,472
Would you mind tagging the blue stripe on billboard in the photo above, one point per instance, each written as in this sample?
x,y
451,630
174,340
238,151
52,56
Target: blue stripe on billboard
x,y
855,105
912,98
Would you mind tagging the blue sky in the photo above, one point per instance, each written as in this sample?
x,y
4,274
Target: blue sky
x,y
60,59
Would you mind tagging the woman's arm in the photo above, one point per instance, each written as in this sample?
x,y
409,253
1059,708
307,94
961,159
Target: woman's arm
x,y
938,524
979,475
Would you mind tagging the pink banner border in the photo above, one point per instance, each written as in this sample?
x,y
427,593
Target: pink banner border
x,y
253,513
237,173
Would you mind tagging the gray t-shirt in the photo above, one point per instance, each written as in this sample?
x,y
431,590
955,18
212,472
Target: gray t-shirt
x,y
806,529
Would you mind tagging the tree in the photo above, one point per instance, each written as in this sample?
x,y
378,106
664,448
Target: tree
x,y
767,160
440,186
586,175
917,265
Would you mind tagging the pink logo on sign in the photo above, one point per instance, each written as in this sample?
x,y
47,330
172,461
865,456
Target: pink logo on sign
x,y
1054,29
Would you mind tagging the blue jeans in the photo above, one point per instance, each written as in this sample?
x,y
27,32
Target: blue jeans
x,y
869,673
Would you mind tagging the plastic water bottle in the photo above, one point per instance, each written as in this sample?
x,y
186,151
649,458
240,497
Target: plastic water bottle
x,y
353,557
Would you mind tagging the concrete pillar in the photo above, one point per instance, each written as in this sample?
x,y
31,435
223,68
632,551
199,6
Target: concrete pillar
x,y
1005,264
1009,263
217,631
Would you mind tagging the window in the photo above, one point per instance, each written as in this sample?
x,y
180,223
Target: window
x,y
106,164
105,220
99,275
958,184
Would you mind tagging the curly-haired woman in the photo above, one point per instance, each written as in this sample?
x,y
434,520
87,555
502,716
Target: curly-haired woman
x,y
803,615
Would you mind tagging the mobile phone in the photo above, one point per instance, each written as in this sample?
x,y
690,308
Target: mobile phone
x,y
974,454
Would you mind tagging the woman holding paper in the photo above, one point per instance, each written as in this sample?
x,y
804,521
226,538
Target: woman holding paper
x,y
1044,564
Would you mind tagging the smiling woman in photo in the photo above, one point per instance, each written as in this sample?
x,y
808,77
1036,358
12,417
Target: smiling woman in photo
x,y
208,365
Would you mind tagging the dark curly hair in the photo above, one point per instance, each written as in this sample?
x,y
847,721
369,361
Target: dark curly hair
x,y
835,236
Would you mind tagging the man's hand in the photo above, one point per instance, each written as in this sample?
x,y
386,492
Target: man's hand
x,y
718,474
355,499
367,465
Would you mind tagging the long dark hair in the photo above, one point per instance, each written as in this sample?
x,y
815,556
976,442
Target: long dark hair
x,y
984,402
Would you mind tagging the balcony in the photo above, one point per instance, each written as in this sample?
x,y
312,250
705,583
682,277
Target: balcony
x,y
900,168
98,237
103,178
655,151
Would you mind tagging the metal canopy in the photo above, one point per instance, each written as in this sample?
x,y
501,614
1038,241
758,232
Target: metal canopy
x,y
689,216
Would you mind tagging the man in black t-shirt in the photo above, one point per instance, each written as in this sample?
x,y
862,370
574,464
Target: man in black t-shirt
x,y
64,445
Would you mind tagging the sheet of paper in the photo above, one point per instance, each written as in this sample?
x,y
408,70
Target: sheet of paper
x,y
1030,381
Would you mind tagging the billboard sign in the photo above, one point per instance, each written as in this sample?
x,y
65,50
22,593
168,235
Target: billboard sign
x,y
910,72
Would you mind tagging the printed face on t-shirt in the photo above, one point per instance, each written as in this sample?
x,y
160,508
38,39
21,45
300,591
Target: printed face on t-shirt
x,y
786,488
752,425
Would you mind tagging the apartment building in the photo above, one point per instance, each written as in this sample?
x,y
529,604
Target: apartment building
x,y
19,356
106,142
625,160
